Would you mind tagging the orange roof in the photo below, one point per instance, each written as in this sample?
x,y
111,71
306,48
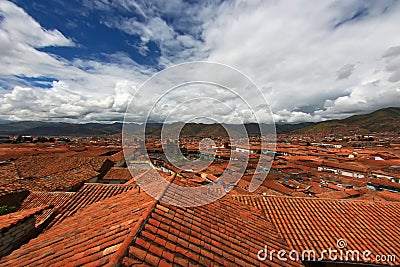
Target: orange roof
x,y
87,195
277,187
45,173
345,166
38,199
389,195
317,224
135,228
224,232
92,235
384,183
117,156
8,220
118,174
5,191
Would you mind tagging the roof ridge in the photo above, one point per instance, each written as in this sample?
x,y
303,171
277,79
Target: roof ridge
x,y
50,193
123,249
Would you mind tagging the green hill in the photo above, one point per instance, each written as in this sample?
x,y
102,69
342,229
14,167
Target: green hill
x,y
382,120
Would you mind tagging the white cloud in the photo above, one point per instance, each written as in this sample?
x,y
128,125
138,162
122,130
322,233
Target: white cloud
x,y
19,36
295,116
293,50
124,91
313,60
18,27
84,87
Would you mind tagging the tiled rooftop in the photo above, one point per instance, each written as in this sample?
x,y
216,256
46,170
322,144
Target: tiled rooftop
x,y
133,227
121,224
224,233
8,220
118,174
50,173
92,236
41,166
90,193
37,199
5,191
317,224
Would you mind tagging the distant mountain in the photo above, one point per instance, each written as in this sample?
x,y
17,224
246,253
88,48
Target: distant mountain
x,y
205,130
38,128
382,120
387,119
286,128
4,121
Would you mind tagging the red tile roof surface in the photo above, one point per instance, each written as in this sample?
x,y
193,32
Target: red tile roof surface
x,y
118,174
37,199
91,236
317,224
221,233
224,232
90,193
133,227
49,173
115,224
8,220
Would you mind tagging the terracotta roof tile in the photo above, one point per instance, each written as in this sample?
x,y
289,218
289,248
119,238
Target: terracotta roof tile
x,y
120,174
278,187
89,193
37,199
8,220
392,196
113,224
224,232
50,173
317,224
91,236
4,191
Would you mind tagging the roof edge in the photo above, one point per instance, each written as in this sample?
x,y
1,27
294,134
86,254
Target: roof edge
x,y
123,249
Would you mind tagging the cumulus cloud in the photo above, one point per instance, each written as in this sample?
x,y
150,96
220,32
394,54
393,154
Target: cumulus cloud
x,y
312,60
20,35
299,52
82,89
295,116
17,26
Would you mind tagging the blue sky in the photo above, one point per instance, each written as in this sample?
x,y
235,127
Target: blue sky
x,y
87,27
83,61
